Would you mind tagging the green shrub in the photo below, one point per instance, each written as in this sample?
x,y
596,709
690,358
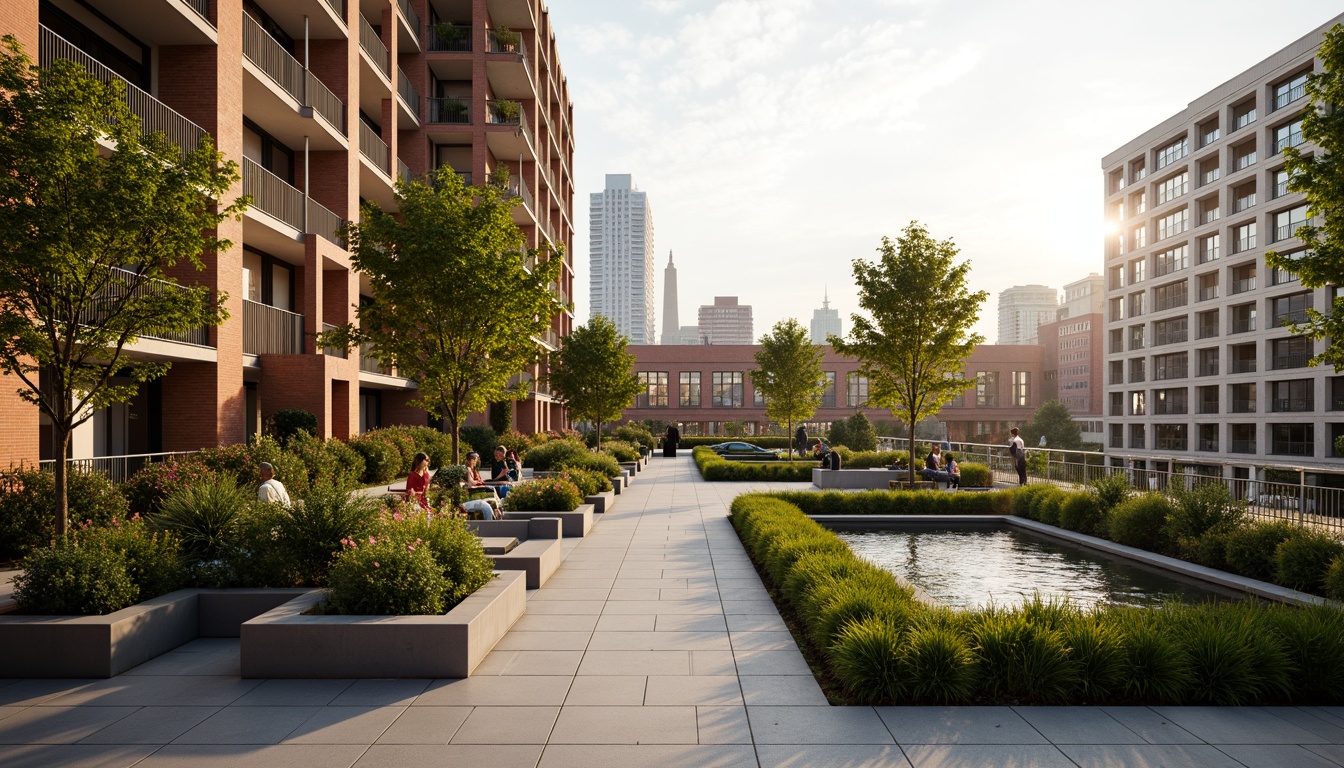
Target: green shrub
x,y
897,502
1023,497
1251,548
1334,579
620,450
1208,550
551,456
1313,641
294,546
1302,561
1234,660
1098,654
146,489
549,495
716,468
939,667
859,433
515,441
456,549
636,434
348,463
593,462
587,481
481,437
1022,659
1112,490
28,507
1140,522
872,459
74,580
858,601
1206,507
204,517
867,660
975,475
435,444
153,558
291,421
405,444
388,577
1156,667
1080,512
1045,504
382,460
324,462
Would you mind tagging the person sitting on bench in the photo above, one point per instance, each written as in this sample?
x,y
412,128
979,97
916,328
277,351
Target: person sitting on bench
x,y
932,467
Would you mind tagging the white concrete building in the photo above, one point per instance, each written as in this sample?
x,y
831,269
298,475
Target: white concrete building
x,y
1022,308
620,264
826,322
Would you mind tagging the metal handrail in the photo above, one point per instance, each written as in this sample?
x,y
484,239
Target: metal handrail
x,y
201,7
372,44
494,45
268,55
324,223
408,93
272,194
448,38
127,284
410,15
374,148
154,115
333,351
403,171
118,469
450,111
370,364
270,330
338,6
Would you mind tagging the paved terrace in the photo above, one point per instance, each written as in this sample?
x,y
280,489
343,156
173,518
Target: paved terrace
x,y
654,645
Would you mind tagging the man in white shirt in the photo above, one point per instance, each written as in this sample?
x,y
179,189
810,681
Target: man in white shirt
x,y
271,491
1018,449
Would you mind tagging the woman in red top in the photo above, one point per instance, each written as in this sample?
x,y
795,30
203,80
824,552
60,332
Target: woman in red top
x,y
417,483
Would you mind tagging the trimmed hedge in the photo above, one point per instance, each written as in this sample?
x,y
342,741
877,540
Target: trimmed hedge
x,y
898,502
763,441
881,646
714,467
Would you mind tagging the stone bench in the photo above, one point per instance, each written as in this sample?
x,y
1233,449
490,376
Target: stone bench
x,y
601,501
849,479
536,546
574,525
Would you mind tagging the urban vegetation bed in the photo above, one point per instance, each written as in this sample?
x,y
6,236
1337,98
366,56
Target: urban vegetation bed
x,y
717,468
877,644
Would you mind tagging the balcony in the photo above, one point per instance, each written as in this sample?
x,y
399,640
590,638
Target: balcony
x,y
161,22
508,143
372,46
272,196
1280,189
1209,444
515,188
1292,405
1170,444
1207,368
1292,448
449,111
1285,97
1291,140
154,115
1243,446
409,97
1287,230
1243,244
1243,406
411,24
124,285
333,351
1294,316
550,338
1243,366
370,364
509,71
1170,302
1294,360
1243,325
372,147
270,330
448,38
404,172
309,96
1243,285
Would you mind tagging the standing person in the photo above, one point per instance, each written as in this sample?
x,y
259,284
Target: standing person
x,y
499,472
1018,449
271,491
670,441
417,483
800,439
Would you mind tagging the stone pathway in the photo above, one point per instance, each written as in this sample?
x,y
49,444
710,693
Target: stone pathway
x,y
654,645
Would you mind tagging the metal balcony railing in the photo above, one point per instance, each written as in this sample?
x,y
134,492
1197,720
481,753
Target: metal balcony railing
x,y
449,111
1209,368
1170,443
1243,406
370,364
272,195
1286,231
154,115
1291,316
1292,448
498,114
1243,446
1171,302
408,93
118,469
1280,189
494,45
1243,325
1170,337
1243,244
201,7
549,337
333,351
270,330
1291,140
338,6
373,47
1243,285
515,187
124,285
410,15
448,38
1208,292
1292,404
324,223
1243,366
1208,254
403,171
1294,360
373,147
1284,98
271,58
1209,444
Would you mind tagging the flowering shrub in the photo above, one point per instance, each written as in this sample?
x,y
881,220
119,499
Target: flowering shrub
x,y
382,461
146,489
550,495
587,481
28,501
595,462
620,450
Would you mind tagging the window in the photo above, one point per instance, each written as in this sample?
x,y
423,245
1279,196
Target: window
x,y
1137,271
1117,309
1169,296
1139,236
1208,248
1242,397
1169,437
1243,318
1174,187
1172,366
1243,438
857,386
987,389
1117,403
1136,302
1117,436
1137,370
1290,90
1296,396
757,396
1137,171
1138,202
1117,340
727,389
1209,171
1289,135
1136,337
1243,114
1292,352
1281,178
1138,403
1117,180
1208,362
1243,157
828,395
1243,278
1171,402
959,400
1243,238
1136,436
1281,276
1336,385
1291,309
1174,151
1287,222
654,394
1115,277
1117,372
1208,286
1243,197
1172,260
1172,224
1208,437
689,393
1243,358
1208,324
1021,388
1209,132
1292,439
1208,399
1173,331
1209,211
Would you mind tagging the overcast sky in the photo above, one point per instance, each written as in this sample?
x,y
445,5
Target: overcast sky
x,y
781,139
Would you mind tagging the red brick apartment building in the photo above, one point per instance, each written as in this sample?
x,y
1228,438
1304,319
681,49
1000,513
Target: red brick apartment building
x,y
323,103
1073,363
703,387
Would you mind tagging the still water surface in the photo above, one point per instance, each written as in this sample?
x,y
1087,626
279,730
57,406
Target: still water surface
x,y
967,569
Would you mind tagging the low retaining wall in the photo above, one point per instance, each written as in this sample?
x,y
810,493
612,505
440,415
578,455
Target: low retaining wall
x,y
574,525
848,479
538,554
601,501
285,643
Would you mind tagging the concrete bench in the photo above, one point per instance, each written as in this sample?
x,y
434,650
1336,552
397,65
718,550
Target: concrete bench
x,y
575,525
601,501
849,479
536,546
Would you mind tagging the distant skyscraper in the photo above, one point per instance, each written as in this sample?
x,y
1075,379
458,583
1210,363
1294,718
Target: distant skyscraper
x,y
726,322
620,263
671,321
1022,308
1083,297
826,322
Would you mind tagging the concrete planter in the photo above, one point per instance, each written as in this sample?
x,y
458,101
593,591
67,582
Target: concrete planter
x,y
918,485
618,484
631,468
284,643
601,501
847,479
536,552
575,525
106,646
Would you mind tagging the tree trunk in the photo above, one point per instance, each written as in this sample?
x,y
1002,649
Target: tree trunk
x,y
598,422
790,434
457,459
62,472
912,451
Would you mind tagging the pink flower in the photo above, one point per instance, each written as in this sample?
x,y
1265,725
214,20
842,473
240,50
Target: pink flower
x,y
410,547
398,516
372,540
375,563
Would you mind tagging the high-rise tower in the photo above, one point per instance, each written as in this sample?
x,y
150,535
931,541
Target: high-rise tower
x,y
620,264
826,321
671,321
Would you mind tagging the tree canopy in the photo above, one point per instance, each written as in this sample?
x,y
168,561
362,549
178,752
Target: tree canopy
x,y
1319,175
457,296
594,373
790,378
89,239
1054,422
915,337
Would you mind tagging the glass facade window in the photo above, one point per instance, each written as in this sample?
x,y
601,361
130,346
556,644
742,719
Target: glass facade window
x,y
727,389
1136,436
1171,402
1117,341
1137,370
1170,437
858,390
1281,178
1136,303
1242,358
828,395
1138,270
1292,352
1243,278
1244,157
1292,439
1209,171
1289,135
1209,132
1172,331
987,389
1208,324
1170,296
1138,403
1295,396
1243,197
1208,437
1243,438
1243,115
1208,362
654,392
1242,398
1136,337
1173,152
1173,224
1281,276
1172,366
688,395
1171,260
1243,318
1021,388
1174,187
1208,399
1290,90
1117,372
1287,222
1243,237
1117,403
1291,309
1209,248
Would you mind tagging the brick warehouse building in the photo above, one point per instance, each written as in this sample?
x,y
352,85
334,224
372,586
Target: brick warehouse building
x,y
323,103
703,387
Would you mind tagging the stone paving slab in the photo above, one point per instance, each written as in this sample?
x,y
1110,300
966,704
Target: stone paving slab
x,y
655,644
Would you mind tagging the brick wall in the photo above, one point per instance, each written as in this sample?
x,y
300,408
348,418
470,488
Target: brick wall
x,y
19,424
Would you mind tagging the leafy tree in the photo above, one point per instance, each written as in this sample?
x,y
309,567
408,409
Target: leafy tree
x,y
453,304
790,378
501,416
1056,424
838,434
594,373
89,242
917,334
1320,177
862,436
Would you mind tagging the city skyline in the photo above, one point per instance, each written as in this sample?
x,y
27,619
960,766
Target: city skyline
x,y
661,88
